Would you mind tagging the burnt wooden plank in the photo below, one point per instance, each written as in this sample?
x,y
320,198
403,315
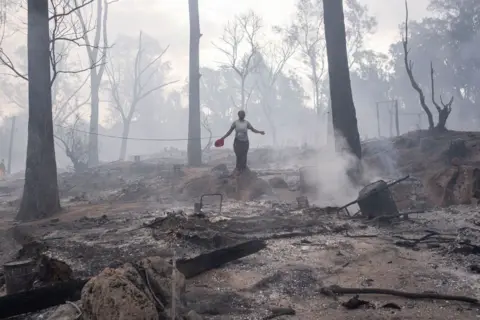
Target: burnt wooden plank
x,y
214,259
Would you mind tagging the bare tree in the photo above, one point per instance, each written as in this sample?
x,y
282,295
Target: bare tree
x,y
243,31
127,92
65,96
63,35
65,89
73,139
409,68
360,25
96,53
308,32
276,56
446,108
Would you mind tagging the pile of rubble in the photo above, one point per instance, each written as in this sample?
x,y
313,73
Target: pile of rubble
x,y
141,290
242,186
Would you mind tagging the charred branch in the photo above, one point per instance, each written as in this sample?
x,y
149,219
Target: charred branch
x,y
409,68
95,52
310,37
446,108
67,10
336,290
65,30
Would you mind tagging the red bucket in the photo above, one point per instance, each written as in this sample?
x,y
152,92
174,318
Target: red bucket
x,y
219,143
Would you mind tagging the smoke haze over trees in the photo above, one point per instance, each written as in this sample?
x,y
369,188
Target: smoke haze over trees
x,y
278,72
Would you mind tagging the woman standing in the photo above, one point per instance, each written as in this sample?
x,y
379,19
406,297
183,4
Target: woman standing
x,y
241,143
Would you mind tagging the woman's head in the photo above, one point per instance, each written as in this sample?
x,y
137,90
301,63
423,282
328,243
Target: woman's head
x,y
241,114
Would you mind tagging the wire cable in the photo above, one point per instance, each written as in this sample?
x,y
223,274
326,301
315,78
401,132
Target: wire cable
x,y
136,139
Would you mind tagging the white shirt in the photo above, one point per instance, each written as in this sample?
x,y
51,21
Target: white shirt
x,y
241,129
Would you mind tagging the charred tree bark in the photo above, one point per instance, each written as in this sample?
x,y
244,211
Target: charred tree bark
x,y
40,194
94,118
409,68
444,110
442,120
194,147
330,130
344,117
125,133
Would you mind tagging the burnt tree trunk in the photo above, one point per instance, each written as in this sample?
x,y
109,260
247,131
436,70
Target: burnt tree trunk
x,y
98,68
125,133
442,120
94,117
344,117
194,147
330,130
40,194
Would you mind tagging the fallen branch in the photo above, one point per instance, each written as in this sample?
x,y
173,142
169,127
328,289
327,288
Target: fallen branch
x,y
336,290
40,298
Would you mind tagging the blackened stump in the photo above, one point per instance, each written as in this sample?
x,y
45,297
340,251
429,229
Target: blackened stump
x,y
19,275
376,200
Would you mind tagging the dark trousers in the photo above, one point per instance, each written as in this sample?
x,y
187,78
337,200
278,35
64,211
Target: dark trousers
x,y
241,151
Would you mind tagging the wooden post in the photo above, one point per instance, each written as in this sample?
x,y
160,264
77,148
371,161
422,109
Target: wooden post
x,y
10,148
397,121
378,119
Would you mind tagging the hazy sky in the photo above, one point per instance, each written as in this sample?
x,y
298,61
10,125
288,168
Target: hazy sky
x,y
168,21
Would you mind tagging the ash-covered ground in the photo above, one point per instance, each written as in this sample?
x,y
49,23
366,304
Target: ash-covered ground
x,y
438,249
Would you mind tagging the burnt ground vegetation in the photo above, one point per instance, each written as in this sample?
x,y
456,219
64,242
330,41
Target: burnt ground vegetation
x,y
122,221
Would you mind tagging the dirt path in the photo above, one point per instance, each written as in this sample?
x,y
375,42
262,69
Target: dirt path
x,y
290,273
